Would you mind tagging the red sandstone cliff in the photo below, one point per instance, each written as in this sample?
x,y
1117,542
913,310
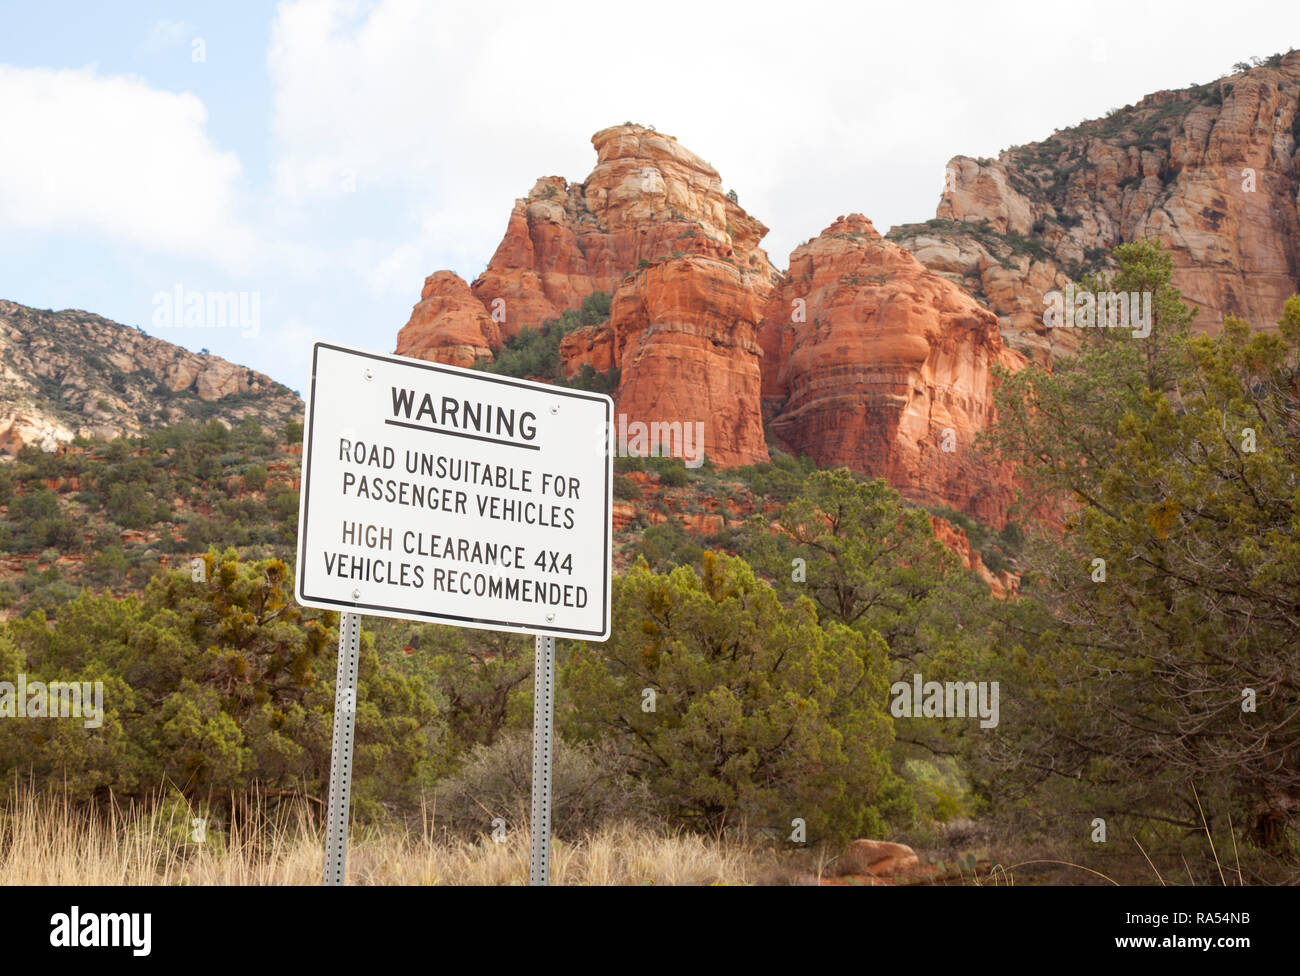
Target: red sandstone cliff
x,y
872,362
449,325
1211,171
684,333
647,198
884,369
652,227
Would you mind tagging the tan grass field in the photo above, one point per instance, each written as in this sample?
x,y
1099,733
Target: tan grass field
x,y
44,841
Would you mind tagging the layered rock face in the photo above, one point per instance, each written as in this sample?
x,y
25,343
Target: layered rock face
x,y
885,368
684,333
1210,171
874,363
70,373
652,227
449,325
647,199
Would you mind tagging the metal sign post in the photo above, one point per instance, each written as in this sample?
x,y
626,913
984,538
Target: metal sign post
x,y
345,715
539,871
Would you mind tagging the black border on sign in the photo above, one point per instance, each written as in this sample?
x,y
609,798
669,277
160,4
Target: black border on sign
x,y
403,613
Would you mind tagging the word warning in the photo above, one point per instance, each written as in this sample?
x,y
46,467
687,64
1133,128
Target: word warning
x,y
438,493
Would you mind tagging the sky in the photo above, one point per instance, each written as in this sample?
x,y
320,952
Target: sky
x,y
319,158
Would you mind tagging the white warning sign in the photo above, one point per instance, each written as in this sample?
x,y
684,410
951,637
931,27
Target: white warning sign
x,y
437,493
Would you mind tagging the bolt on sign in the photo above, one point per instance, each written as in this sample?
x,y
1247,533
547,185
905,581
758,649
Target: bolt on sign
x,y
435,493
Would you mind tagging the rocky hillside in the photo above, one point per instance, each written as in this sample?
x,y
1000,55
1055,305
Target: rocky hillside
x,y
70,373
864,354
111,514
859,356
1211,171
651,226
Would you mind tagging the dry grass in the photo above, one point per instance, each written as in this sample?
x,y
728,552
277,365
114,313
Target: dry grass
x,y
43,841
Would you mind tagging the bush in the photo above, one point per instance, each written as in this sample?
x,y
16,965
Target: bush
x,y
591,381
109,565
217,687
1011,539
672,472
595,308
131,506
536,352
56,533
760,714
781,480
589,787
625,489
994,559
667,545
50,598
39,504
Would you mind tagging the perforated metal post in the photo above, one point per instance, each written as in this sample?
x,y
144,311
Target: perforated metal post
x,y
345,715
539,872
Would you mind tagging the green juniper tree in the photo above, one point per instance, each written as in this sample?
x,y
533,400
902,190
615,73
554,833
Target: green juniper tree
x,y
739,711
1156,647
212,687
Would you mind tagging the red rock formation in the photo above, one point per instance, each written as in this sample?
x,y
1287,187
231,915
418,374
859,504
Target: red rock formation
x,y
449,325
882,358
1213,172
648,198
954,538
684,333
881,366
652,227
624,514
877,857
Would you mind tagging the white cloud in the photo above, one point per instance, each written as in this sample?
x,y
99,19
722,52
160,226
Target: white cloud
x,y
456,108
113,156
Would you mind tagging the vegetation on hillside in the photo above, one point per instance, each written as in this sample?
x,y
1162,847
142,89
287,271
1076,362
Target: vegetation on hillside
x,y
1156,643
110,514
81,369
535,353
